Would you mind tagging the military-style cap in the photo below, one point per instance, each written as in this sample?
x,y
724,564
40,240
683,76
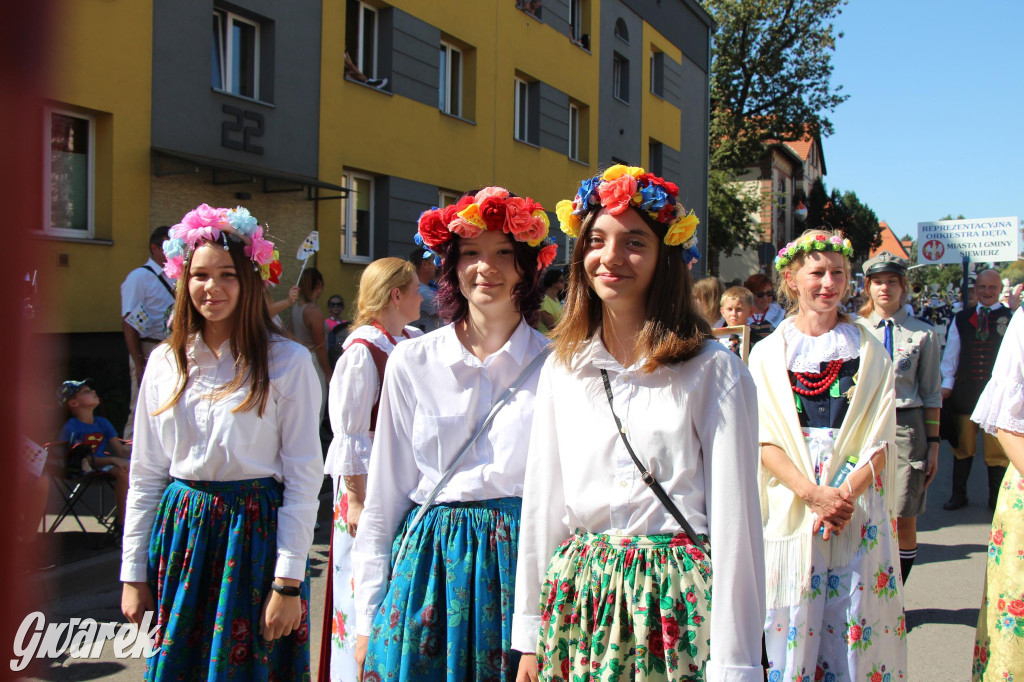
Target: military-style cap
x,y
885,262
68,389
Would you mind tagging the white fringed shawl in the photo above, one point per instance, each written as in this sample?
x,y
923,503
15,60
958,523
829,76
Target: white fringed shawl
x,y
869,425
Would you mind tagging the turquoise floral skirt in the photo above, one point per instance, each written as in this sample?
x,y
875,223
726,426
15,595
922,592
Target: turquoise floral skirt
x,y
448,610
212,555
625,607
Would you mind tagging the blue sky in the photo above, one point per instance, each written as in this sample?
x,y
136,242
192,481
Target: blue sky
x,y
935,120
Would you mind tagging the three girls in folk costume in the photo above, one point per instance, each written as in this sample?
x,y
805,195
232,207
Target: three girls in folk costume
x,y
826,408
914,348
612,584
441,608
389,299
226,468
999,642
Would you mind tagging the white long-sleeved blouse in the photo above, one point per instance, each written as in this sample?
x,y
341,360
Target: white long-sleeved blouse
x,y
201,439
695,425
353,391
435,395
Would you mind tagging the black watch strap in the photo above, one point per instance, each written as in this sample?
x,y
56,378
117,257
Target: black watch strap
x,y
285,590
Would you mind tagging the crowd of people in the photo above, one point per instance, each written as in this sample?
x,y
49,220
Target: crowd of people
x,y
557,474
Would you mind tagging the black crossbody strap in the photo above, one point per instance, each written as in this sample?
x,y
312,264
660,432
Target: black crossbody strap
x,y
646,476
159,279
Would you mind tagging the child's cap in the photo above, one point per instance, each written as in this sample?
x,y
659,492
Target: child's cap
x,y
69,388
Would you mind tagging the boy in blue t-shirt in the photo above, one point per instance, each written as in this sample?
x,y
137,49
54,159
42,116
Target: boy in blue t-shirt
x,y
106,451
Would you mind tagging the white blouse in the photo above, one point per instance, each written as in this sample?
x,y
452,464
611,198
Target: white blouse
x,y
353,391
435,395
1001,405
695,425
200,439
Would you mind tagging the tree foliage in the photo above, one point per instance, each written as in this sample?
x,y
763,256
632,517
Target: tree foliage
x,y
730,225
844,211
770,80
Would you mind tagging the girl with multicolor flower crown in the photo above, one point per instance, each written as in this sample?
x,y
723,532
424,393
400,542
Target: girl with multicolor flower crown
x,y
445,613
226,468
827,427
610,585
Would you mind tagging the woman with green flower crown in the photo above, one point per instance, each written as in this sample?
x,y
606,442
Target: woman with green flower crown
x,y
612,583
827,432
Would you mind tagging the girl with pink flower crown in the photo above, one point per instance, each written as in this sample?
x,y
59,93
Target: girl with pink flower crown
x,y
827,428
617,565
435,552
226,468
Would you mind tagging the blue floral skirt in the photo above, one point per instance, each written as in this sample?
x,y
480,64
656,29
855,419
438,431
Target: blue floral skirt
x,y
447,614
212,555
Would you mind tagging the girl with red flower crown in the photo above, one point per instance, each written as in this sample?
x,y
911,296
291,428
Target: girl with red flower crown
x,y
389,299
225,469
445,612
827,427
611,583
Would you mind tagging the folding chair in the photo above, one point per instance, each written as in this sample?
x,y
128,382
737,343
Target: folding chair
x,y
64,467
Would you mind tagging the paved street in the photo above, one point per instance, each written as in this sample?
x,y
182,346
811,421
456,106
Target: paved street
x,y
941,600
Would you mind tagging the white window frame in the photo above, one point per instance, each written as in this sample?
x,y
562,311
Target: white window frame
x,y
89,232
447,197
348,217
574,132
522,103
363,9
620,62
227,21
576,20
447,77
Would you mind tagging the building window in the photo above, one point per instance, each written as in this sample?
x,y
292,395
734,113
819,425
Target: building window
x,y
521,111
446,197
530,6
620,78
654,157
621,32
579,20
574,132
357,218
658,73
236,54
361,38
450,89
69,166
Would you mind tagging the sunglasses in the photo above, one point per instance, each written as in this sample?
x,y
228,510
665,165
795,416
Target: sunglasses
x,y
335,304
765,294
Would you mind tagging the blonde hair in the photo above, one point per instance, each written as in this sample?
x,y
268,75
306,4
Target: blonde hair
x,y
788,297
376,283
741,294
869,303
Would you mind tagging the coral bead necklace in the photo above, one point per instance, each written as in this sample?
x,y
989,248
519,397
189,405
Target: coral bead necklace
x,y
817,382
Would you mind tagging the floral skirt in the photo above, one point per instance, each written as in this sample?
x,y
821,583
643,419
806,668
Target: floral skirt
x,y
999,643
630,607
447,614
341,598
212,555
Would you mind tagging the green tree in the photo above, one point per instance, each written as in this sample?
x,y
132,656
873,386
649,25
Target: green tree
x,y
770,80
844,211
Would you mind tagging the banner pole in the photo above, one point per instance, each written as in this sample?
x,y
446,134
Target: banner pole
x,y
964,283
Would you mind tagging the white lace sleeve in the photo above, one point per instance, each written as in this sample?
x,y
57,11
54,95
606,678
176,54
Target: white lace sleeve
x,y
1001,405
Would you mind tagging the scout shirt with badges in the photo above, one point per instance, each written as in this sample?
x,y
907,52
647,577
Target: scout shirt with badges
x,y
915,357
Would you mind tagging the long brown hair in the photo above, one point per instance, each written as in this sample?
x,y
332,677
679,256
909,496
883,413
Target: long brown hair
x,y
674,329
869,303
250,340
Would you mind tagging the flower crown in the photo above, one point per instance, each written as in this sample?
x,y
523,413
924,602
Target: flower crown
x,y
621,187
809,243
492,208
207,224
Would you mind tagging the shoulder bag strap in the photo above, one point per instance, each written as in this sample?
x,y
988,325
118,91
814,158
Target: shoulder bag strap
x,y
159,279
447,476
646,476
